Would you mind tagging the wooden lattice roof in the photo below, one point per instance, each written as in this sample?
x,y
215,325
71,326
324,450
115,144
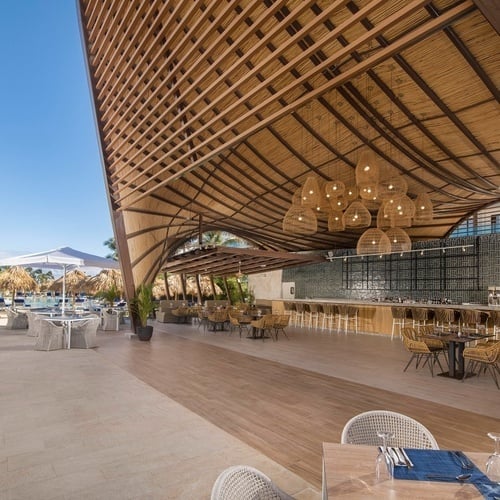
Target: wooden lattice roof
x,y
212,113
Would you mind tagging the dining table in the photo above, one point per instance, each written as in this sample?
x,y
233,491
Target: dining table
x,y
67,321
456,345
349,472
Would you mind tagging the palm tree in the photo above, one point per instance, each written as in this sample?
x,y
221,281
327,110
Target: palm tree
x,y
111,244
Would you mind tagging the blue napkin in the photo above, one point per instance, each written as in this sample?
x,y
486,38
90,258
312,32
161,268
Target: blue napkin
x,y
448,464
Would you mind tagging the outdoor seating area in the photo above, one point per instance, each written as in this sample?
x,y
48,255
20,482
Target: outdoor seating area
x,y
332,347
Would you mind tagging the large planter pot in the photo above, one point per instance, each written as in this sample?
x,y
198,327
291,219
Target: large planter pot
x,y
144,332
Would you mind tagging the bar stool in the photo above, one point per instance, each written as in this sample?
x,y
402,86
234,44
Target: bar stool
x,y
312,315
348,314
299,314
495,319
445,319
328,317
420,316
470,321
398,319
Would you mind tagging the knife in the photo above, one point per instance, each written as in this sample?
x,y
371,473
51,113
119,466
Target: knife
x,y
407,458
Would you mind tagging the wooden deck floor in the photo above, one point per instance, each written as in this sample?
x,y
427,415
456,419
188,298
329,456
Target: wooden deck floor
x,y
285,398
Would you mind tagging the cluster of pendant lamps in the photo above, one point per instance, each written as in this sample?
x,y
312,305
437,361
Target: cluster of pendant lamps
x,y
348,207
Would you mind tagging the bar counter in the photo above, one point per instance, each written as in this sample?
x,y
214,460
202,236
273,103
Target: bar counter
x,y
376,317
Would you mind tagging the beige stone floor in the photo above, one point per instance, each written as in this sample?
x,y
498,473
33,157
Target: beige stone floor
x,y
75,426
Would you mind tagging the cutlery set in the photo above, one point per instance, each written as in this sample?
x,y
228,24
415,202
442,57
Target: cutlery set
x,y
398,456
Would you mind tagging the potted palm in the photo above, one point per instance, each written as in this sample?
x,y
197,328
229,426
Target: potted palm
x,y
143,305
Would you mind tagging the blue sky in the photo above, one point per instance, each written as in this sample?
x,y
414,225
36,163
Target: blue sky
x,y
52,190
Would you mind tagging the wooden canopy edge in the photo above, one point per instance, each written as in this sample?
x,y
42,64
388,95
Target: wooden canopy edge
x,y
227,261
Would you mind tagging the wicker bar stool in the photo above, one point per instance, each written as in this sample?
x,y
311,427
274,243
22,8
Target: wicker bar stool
x,y
347,314
398,319
420,317
311,315
328,317
299,315
471,321
495,319
445,319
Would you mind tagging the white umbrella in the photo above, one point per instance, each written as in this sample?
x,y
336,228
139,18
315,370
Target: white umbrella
x,y
64,258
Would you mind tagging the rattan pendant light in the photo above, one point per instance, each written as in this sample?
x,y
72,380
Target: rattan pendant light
x,y
373,242
339,203
367,168
391,186
400,210
424,211
311,194
357,215
334,189
336,221
383,220
399,239
300,220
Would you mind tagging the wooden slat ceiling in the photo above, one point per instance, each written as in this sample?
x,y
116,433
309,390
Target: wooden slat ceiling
x,y
212,113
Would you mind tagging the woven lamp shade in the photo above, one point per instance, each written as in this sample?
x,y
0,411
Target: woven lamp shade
x,y
373,242
392,186
297,197
401,211
336,221
383,220
300,220
334,189
351,193
368,190
311,194
424,211
367,168
399,239
357,215
339,203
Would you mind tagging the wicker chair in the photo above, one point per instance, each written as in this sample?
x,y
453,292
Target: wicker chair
x,y
484,358
16,320
420,350
217,319
264,325
445,319
234,324
242,482
110,320
84,334
34,321
279,325
408,432
51,336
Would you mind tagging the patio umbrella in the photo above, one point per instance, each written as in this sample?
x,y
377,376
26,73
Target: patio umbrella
x,y
16,278
64,258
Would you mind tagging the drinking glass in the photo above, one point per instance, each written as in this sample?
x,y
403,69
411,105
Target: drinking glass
x,y
493,463
384,466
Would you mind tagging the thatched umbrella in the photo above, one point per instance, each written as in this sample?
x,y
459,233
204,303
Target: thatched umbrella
x,y
105,280
16,278
75,283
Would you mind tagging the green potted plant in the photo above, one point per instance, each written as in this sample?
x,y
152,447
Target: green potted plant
x,y
109,295
143,305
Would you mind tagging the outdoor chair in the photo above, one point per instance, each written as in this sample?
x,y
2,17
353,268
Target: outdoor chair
x,y
217,320
484,358
84,333
182,314
110,320
16,320
242,482
408,432
420,350
263,325
234,324
51,336
33,324
280,324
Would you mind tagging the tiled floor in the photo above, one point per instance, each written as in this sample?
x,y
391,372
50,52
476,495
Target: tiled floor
x,y
75,426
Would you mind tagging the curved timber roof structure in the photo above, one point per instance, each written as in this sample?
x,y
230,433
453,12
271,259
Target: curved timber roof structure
x,y
212,114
